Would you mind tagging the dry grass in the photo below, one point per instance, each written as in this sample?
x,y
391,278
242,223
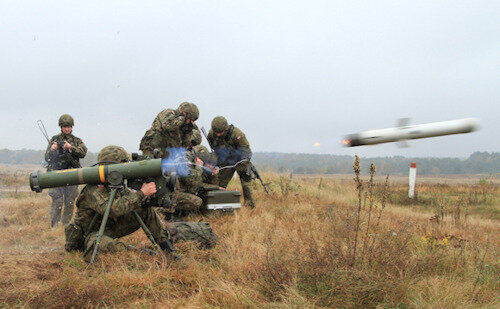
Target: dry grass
x,y
313,242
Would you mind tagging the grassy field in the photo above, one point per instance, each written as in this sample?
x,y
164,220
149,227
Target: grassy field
x,y
313,242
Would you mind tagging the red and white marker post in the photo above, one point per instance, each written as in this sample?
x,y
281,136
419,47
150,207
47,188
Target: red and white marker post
x,y
412,179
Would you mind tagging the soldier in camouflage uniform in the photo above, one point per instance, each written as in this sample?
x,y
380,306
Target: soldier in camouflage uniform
x,y
195,139
233,151
64,151
121,222
93,200
170,129
209,162
185,198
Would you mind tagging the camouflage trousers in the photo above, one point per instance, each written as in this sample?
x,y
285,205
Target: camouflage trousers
x,y
63,202
184,201
225,177
123,226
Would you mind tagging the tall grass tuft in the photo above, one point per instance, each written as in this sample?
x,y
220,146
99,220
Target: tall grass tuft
x,y
342,244
359,189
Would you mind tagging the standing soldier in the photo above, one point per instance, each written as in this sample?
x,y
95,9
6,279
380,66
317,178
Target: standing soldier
x,y
233,152
64,151
172,128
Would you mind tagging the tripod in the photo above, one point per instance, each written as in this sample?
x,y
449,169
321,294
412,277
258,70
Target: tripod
x,y
115,180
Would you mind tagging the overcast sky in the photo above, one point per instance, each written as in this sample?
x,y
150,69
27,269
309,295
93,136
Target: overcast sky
x,y
288,73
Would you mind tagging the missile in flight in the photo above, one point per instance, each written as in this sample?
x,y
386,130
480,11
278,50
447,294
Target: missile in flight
x,y
404,132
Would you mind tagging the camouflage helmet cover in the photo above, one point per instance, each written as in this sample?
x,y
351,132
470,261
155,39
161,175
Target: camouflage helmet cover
x,y
206,156
66,121
196,138
190,109
219,124
112,153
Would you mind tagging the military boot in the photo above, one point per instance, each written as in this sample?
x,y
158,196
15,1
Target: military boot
x,y
248,200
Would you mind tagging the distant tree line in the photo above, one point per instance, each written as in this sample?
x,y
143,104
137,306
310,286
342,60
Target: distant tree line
x,y
476,163
28,156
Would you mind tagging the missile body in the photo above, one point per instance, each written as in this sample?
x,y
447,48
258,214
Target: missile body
x,y
397,134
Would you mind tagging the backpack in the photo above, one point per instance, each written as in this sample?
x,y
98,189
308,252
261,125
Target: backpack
x,y
199,232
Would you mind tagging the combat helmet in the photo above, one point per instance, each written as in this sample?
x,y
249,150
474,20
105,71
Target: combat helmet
x,y
190,109
219,124
111,154
196,138
66,121
206,156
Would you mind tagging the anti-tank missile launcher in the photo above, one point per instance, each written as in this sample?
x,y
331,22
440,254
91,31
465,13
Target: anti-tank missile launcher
x,y
159,170
142,169
164,172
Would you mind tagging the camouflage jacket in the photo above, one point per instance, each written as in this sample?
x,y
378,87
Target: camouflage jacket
x,y
195,181
210,179
168,130
230,147
93,199
61,158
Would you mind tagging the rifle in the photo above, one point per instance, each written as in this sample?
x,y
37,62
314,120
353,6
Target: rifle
x,y
206,137
257,175
60,147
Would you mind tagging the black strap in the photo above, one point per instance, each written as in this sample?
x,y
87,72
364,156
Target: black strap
x,y
229,133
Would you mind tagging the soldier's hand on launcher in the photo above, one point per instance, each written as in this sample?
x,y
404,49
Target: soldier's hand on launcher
x,y
148,188
214,169
199,161
67,145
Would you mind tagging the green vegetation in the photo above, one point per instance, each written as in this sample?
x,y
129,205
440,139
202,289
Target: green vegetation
x,y
477,163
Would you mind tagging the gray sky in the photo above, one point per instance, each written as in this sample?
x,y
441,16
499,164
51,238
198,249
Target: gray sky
x,y
288,73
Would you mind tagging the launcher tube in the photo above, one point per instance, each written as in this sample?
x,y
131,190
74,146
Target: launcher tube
x,y
95,174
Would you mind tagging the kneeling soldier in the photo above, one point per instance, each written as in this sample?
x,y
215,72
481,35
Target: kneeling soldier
x,y
185,198
122,221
